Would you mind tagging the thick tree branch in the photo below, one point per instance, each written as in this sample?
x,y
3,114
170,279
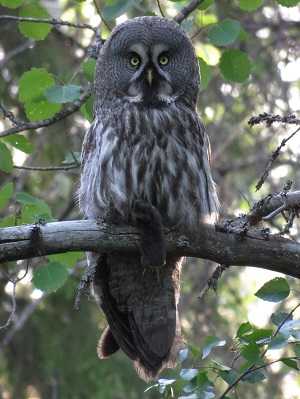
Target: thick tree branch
x,y
272,253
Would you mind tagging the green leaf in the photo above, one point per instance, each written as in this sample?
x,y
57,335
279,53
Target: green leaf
x,y
25,198
8,221
258,335
277,342
205,4
33,208
235,65
70,158
33,85
34,30
41,110
183,354
205,74
228,376
249,5
195,351
11,3
211,342
6,161
115,10
288,3
203,383
252,354
89,69
21,143
69,259
253,377
188,374
88,108
274,290
50,277
297,349
280,317
5,193
63,94
243,329
224,33
291,363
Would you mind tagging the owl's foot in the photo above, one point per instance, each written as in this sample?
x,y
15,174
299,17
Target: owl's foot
x,y
152,238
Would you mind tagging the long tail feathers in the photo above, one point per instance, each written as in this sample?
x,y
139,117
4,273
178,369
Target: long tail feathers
x,y
141,312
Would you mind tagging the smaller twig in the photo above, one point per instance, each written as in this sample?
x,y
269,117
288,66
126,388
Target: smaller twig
x,y
55,118
159,7
187,10
14,282
213,281
16,51
47,168
51,21
273,157
10,115
270,119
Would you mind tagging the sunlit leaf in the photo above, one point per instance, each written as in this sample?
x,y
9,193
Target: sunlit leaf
x,y
205,4
288,3
50,277
41,110
277,342
32,87
188,374
183,354
249,5
211,342
205,73
243,329
260,334
11,3
274,290
34,30
68,259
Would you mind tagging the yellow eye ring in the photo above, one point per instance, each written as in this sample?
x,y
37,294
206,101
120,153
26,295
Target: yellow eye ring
x,y
135,60
163,60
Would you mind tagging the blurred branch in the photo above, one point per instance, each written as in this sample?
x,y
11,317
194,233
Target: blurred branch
x,y
187,10
51,21
47,168
65,112
269,120
16,51
254,249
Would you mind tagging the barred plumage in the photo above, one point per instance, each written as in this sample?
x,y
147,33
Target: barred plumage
x,y
147,143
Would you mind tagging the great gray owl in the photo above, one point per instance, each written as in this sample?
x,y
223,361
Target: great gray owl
x,y
146,143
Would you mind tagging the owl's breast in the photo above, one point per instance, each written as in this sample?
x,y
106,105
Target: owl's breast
x,y
159,156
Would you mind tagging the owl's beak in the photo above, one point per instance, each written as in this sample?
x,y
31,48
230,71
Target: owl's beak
x,y
150,76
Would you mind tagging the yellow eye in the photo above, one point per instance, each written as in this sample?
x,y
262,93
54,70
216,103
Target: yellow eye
x,y
134,60
163,59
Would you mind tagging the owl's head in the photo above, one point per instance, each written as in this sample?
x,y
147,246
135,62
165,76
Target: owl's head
x,y
148,60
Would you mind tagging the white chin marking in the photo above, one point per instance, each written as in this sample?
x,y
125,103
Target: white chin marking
x,y
139,98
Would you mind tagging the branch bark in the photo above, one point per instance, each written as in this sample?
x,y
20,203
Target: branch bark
x,y
272,253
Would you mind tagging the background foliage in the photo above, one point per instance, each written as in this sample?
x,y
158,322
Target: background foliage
x,y
249,56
